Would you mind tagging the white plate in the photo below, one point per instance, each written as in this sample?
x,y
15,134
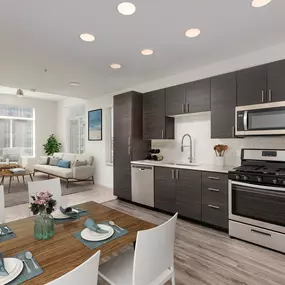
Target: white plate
x,y
14,267
93,236
59,215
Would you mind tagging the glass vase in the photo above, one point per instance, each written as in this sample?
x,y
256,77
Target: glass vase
x,y
44,226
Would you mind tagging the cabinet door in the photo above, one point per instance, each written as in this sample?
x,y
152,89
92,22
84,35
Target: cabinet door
x,y
122,137
223,103
175,100
251,86
188,193
154,115
198,97
164,197
276,81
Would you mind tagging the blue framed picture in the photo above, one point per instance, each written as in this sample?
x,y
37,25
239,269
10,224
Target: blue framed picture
x,y
95,125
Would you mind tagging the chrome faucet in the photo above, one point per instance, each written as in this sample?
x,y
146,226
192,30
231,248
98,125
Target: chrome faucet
x,y
190,146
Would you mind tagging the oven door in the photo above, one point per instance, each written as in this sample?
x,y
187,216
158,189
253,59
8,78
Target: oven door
x,y
257,205
261,119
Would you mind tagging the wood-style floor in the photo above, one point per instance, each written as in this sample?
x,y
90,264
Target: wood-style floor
x,y
207,256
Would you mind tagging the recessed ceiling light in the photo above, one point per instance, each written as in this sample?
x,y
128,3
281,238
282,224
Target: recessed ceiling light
x,y
147,52
115,65
192,33
259,3
126,8
74,84
87,37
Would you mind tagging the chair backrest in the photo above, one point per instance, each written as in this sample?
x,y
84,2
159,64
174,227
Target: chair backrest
x,y
86,273
2,205
154,252
52,186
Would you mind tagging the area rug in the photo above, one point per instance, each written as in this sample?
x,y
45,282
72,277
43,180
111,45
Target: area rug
x,y
19,192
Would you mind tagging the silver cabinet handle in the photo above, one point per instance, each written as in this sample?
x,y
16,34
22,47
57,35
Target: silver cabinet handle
x,y
269,95
233,131
162,133
261,233
188,108
177,174
183,108
214,207
213,190
262,96
172,174
213,178
129,145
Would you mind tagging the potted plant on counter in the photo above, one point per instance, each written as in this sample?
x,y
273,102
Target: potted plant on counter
x,y
43,205
220,150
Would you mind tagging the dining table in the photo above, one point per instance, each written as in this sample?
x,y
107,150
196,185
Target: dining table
x,y
63,252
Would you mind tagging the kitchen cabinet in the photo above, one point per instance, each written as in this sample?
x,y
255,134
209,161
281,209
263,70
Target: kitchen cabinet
x,y
215,199
188,193
164,185
178,190
276,81
155,123
128,143
175,100
223,103
198,96
251,86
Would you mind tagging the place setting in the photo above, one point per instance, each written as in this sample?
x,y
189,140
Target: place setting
x,y
63,215
6,233
95,235
18,269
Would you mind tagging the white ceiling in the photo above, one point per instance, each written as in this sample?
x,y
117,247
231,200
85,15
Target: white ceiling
x,y
38,34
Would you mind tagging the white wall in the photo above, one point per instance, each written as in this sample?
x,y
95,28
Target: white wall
x,y
45,117
199,127
104,173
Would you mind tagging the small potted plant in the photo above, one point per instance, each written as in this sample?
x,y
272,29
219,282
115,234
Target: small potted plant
x,y
220,150
42,206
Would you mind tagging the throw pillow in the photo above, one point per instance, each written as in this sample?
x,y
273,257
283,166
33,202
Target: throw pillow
x,y
13,157
78,163
63,163
43,160
53,161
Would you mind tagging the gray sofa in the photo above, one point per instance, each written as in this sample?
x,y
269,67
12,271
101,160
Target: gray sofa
x,y
72,174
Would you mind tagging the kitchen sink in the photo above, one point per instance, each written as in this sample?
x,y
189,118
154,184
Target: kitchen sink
x,y
187,164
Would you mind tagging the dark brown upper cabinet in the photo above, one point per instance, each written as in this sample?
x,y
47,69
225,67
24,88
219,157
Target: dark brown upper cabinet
x,y
276,81
175,100
223,103
155,123
198,98
251,86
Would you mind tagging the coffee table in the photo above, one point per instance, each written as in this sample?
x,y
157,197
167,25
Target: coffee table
x,y
10,174
5,166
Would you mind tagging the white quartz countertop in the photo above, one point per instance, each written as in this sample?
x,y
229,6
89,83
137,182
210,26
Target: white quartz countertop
x,y
184,165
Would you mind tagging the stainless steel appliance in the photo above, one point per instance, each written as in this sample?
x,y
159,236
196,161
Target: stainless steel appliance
x,y
143,185
257,198
261,119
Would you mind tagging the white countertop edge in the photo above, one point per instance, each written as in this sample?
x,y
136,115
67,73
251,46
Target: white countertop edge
x,y
201,167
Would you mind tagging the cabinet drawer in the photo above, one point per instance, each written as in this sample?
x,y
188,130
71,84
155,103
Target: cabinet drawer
x,y
215,213
215,195
215,180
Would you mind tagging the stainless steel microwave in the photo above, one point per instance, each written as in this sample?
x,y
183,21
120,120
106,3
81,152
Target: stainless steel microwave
x,y
261,119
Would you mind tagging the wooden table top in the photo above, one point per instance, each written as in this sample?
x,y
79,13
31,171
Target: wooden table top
x,y
9,173
8,166
63,252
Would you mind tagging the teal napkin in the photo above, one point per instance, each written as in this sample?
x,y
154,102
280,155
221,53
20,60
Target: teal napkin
x,y
91,225
3,271
69,212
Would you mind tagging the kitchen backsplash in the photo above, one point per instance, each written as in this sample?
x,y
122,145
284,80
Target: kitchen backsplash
x,y
199,127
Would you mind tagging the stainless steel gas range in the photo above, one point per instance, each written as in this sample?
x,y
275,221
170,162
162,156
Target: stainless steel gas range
x,y
257,198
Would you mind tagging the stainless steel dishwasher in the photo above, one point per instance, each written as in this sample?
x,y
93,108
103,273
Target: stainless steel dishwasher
x,y
143,184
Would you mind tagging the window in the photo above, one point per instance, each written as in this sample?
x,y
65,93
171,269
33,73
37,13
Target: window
x,y
17,130
109,136
77,128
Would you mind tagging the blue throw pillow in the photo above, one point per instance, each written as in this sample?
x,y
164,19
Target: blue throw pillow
x,y
63,163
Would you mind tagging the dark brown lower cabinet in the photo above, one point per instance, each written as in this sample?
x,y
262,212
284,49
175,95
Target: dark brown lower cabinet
x,y
188,193
164,183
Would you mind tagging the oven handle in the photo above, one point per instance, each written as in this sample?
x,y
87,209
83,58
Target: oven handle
x,y
245,120
259,186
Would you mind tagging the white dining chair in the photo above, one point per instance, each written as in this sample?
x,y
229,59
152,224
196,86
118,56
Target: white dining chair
x,y
52,186
86,273
2,205
151,263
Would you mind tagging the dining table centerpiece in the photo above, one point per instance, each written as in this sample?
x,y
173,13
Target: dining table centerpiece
x,y
42,206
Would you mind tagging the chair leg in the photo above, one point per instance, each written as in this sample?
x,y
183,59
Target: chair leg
x,y
173,277
93,179
67,182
